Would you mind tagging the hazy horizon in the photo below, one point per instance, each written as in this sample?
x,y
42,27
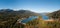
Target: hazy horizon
x,y
38,6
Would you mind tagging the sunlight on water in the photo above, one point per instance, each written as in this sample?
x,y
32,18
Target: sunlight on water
x,y
29,19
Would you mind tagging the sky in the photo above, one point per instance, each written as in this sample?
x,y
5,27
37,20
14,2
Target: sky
x,y
38,6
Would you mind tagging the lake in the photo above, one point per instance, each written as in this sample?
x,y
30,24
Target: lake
x,y
45,17
34,17
29,19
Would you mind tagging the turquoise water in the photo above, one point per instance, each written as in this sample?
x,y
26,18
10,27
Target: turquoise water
x,y
45,17
29,19
34,17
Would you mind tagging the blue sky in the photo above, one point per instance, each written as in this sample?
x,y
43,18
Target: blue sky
x,y
38,6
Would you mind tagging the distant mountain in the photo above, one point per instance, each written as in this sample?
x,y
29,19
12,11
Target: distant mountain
x,y
6,10
44,13
20,12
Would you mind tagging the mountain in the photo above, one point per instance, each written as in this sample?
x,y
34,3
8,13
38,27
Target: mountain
x,y
55,14
6,10
19,13
9,17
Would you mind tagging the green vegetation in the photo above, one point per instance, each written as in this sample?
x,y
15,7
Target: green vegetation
x,y
53,25
8,17
55,15
33,22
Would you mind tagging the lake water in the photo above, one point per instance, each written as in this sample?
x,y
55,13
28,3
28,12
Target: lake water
x,y
34,17
45,17
29,19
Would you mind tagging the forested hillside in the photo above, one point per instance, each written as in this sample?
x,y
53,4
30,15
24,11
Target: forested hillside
x,y
55,15
9,17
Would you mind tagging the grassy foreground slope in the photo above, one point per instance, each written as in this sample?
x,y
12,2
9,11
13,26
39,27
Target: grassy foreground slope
x,y
56,17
